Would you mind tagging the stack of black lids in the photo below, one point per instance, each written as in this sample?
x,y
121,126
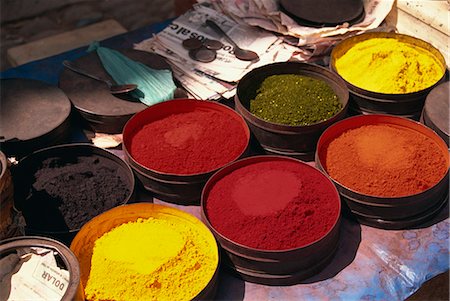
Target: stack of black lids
x,y
321,13
435,112
100,110
33,115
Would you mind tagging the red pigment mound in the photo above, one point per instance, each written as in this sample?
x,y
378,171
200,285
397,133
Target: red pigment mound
x,y
274,205
189,143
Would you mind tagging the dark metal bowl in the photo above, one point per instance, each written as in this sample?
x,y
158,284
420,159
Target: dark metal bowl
x,y
175,188
273,267
295,141
30,164
391,212
367,102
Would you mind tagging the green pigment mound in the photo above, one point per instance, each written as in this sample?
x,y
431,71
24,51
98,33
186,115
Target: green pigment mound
x,y
292,99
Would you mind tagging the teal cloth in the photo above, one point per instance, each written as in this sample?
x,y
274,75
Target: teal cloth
x,y
154,86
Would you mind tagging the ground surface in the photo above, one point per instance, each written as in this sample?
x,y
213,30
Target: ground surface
x,y
132,15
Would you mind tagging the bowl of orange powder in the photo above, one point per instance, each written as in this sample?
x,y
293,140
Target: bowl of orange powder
x,y
391,172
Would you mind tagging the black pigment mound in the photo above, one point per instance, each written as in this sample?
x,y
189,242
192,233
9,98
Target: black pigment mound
x,y
64,193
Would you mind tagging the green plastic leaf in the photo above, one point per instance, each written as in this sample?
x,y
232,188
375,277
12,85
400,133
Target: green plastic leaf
x,y
154,86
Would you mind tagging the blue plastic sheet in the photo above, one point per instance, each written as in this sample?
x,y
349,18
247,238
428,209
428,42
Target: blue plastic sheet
x,y
370,264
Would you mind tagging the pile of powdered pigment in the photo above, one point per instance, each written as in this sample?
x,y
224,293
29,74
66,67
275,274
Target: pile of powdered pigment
x,y
66,192
293,99
390,66
169,255
385,160
198,141
273,205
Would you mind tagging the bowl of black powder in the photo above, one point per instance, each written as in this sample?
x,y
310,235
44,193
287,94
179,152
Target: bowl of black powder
x,y
59,189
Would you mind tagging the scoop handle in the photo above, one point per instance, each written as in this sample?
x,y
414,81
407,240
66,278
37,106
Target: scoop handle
x,y
77,69
220,31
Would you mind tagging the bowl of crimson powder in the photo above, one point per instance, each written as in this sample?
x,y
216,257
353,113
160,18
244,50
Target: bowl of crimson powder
x,y
276,218
392,172
175,146
58,189
288,105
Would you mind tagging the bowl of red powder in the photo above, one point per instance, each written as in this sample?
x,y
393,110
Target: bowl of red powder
x,y
391,171
175,146
276,218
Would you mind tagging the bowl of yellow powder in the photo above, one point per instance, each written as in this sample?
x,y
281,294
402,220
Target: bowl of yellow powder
x,y
388,72
146,252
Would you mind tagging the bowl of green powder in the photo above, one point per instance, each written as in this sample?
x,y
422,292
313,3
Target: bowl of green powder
x,y
288,105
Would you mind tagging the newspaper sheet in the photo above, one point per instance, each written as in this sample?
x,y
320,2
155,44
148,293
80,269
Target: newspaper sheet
x,y
218,78
256,25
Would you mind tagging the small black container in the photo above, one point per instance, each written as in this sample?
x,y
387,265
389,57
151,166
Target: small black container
x,y
278,139
54,219
74,290
321,13
435,112
362,101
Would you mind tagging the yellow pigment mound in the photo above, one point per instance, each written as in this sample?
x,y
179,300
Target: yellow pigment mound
x,y
389,66
167,256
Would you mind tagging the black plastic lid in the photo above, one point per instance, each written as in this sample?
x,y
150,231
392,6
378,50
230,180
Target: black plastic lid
x,y
436,109
33,115
320,13
102,110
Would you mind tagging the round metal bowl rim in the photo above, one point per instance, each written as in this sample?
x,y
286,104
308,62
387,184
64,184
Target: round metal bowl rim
x,y
3,164
65,253
370,35
181,176
265,158
127,167
285,127
346,120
